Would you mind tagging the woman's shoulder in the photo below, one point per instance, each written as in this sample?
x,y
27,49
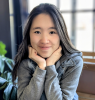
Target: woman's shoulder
x,y
77,60
24,62
28,63
72,59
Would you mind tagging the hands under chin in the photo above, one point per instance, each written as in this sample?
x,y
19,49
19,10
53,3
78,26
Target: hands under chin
x,y
42,63
54,57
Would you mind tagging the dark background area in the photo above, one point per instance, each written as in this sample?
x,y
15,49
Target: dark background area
x,y
5,36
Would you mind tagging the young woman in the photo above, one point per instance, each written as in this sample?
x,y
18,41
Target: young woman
x,y
47,64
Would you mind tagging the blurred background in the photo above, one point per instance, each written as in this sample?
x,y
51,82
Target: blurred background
x,y
79,16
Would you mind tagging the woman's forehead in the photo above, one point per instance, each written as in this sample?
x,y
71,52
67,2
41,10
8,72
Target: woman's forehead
x,y
43,20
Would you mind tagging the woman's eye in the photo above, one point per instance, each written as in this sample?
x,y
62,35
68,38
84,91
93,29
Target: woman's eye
x,y
37,32
52,32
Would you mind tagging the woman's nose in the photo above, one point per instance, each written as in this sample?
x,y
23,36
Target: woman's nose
x,y
44,39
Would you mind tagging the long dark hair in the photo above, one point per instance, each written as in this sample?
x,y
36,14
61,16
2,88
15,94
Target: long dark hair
x,y
67,47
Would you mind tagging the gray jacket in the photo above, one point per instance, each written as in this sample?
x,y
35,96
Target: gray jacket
x,y
57,82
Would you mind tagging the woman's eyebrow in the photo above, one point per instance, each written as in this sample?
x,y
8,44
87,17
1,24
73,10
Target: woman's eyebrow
x,y
52,28
37,28
41,28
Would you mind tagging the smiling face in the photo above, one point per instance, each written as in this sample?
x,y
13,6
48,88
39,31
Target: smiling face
x,y
43,35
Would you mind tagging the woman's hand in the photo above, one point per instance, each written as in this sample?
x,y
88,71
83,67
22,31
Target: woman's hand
x,y
54,57
39,60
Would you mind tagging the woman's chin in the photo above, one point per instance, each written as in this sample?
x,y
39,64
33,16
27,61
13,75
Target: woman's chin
x,y
44,56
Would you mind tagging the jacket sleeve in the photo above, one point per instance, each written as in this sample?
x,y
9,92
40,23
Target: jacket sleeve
x,y
30,84
64,89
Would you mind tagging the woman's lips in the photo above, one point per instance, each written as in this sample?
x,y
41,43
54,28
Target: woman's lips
x,y
44,48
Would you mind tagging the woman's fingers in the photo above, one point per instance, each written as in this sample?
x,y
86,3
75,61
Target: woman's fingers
x,y
39,60
54,57
31,50
58,51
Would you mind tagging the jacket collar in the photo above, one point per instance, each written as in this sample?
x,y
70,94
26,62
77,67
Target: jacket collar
x,y
64,59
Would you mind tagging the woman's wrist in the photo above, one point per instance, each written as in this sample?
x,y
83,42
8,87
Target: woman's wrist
x,y
42,66
49,64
